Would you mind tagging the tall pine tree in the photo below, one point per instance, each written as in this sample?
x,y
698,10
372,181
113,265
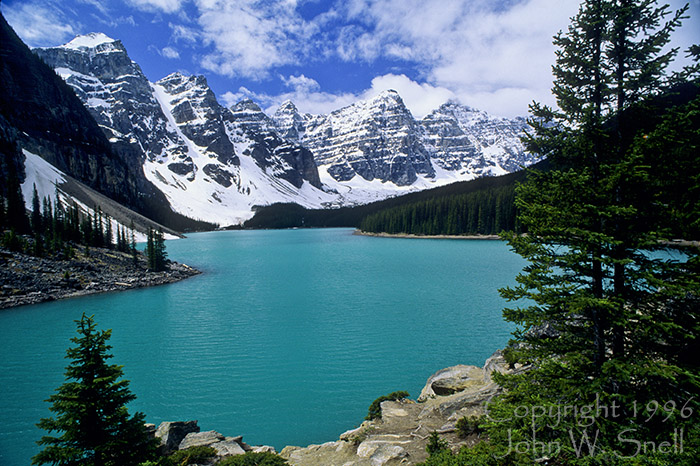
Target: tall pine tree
x,y
607,308
90,410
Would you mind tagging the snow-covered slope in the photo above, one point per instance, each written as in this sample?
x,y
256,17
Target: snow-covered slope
x,y
376,139
206,162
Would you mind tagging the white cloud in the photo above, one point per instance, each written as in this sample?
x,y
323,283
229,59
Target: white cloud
x,y
182,33
165,6
249,38
491,57
301,83
169,52
420,99
306,94
39,24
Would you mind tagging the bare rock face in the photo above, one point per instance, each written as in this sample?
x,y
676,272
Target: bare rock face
x,y
201,439
171,434
374,139
401,435
224,446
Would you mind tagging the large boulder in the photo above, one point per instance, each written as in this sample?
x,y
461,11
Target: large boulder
x,y
452,380
172,433
201,439
228,448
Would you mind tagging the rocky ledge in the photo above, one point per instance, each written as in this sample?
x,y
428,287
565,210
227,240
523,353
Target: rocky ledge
x,y
27,279
401,434
182,435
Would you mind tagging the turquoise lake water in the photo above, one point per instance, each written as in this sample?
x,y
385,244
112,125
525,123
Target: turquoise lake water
x,y
286,338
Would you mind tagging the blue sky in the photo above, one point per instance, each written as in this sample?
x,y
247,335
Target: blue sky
x,y
494,55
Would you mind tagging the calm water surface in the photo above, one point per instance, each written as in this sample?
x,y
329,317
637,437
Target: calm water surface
x,y
286,338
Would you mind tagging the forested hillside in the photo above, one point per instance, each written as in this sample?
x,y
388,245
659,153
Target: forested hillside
x,y
429,205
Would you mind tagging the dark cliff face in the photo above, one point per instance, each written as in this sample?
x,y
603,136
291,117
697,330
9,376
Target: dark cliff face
x,y
42,114
289,160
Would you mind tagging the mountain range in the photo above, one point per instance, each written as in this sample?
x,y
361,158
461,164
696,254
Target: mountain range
x,y
218,164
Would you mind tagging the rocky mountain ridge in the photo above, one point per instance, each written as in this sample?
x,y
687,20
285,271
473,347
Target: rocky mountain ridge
x,y
216,164
207,163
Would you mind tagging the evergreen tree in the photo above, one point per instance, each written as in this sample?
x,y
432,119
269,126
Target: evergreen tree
x,y
36,211
150,250
16,211
90,410
606,309
134,252
160,256
108,233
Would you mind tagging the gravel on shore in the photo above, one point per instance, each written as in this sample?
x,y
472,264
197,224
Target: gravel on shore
x,y
26,279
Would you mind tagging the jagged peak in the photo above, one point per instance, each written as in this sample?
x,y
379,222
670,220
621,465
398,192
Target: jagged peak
x,y
388,94
176,76
90,41
175,82
287,107
246,105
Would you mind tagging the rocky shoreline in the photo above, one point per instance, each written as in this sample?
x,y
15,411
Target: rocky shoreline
x,y
27,279
399,437
406,235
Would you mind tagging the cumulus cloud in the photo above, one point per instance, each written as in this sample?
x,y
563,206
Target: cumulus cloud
x,y
303,91
308,97
186,34
487,54
420,99
39,24
249,38
495,54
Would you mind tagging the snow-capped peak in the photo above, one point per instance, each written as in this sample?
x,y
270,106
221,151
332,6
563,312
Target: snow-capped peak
x,y
287,106
89,41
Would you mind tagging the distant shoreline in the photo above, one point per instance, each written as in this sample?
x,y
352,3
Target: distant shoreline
x,y
411,236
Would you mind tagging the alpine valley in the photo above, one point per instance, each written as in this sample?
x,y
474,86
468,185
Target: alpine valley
x,y
217,164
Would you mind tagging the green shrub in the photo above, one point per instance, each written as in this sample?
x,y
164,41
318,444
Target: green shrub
x,y
468,425
192,455
254,459
436,444
375,409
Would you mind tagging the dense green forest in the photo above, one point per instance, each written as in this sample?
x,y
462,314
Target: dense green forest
x,y
465,193
485,212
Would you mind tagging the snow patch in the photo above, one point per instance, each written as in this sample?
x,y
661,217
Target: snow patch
x,y
88,41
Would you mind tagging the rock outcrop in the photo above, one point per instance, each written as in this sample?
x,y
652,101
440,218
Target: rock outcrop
x,y
401,435
181,435
171,434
